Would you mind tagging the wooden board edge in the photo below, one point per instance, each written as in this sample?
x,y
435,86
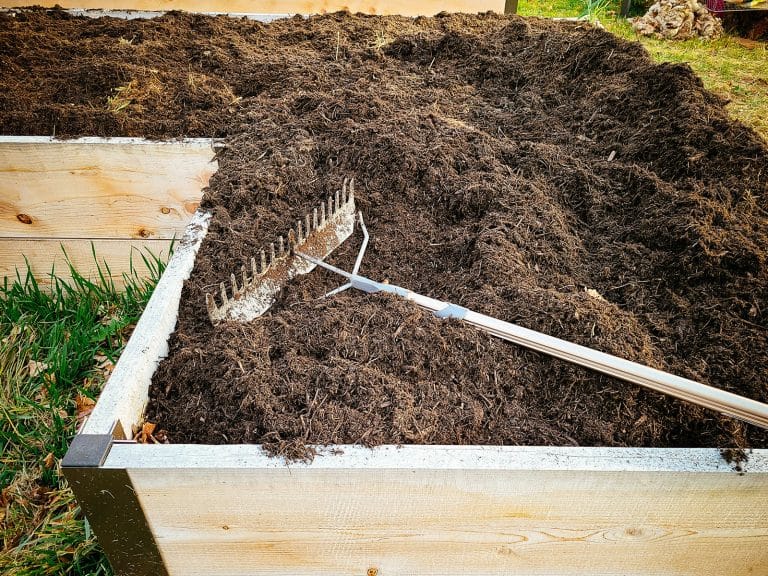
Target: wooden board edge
x,y
114,259
150,14
125,395
121,140
260,7
415,457
101,188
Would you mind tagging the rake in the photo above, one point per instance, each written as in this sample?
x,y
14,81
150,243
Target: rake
x,y
326,230
319,234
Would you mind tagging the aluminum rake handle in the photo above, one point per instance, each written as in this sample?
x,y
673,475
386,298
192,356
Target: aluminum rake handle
x,y
723,401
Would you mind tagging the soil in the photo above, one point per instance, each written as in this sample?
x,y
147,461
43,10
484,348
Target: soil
x,y
547,173
751,25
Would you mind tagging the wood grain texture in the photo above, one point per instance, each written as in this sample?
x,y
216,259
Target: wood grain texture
x,y
125,395
300,521
148,14
94,188
43,256
404,7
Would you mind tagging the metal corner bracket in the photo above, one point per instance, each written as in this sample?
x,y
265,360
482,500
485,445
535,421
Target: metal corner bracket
x,y
111,505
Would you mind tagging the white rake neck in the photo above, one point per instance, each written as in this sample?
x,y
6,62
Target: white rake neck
x,y
745,409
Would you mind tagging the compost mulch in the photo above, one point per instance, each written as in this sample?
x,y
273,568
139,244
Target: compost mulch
x,y
547,173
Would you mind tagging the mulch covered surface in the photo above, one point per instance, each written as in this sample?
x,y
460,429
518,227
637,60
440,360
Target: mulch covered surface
x,y
545,173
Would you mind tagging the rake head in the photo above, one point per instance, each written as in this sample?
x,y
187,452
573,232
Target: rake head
x,y
319,234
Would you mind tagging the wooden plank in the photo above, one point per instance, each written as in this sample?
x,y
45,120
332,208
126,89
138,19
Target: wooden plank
x,y
125,395
412,457
45,255
101,188
422,515
149,14
404,7
510,7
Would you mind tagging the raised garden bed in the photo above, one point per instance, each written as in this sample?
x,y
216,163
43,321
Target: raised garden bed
x,y
545,173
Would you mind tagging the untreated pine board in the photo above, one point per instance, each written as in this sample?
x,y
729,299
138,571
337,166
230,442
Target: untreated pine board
x,y
443,510
101,188
44,256
404,7
124,397
149,14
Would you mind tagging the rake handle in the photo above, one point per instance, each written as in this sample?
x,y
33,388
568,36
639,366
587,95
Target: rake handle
x,y
728,403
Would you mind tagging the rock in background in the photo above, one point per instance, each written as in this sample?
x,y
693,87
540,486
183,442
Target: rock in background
x,y
678,20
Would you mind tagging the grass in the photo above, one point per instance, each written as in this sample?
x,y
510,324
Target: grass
x,y
731,67
130,96
736,71
57,346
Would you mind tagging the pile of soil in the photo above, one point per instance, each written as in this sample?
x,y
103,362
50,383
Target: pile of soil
x,y
547,173
750,24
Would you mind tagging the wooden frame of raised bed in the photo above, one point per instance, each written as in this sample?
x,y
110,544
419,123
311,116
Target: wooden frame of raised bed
x,y
262,7
118,199
193,509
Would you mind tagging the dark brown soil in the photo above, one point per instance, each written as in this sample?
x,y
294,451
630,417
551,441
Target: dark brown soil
x,y
752,25
504,164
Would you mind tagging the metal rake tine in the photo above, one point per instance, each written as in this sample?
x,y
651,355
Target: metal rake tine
x,y
249,292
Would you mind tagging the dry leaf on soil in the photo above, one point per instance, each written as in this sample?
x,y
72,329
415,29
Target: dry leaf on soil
x,y
83,408
35,368
49,461
147,434
103,364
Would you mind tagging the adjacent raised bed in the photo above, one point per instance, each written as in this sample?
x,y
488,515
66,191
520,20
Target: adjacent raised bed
x,y
103,205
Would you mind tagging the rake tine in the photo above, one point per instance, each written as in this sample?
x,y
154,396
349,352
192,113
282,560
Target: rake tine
x,y
210,303
317,233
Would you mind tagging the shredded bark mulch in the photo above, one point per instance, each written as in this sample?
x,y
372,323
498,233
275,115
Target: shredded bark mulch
x,y
547,173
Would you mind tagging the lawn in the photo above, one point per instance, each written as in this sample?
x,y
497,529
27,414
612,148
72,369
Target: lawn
x,y
733,68
57,347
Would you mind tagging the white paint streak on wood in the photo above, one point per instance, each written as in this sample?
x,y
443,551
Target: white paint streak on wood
x,y
122,140
404,7
251,456
125,394
303,520
117,188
